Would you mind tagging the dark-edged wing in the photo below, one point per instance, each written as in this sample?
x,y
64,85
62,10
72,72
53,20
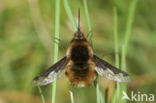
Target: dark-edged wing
x,y
110,72
50,75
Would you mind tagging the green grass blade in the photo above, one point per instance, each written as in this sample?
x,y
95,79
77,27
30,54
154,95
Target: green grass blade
x,y
69,13
98,93
127,32
129,23
71,96
116,38
117,91
114,99
88,20
126,39
42,96
101,98
57,23
123,67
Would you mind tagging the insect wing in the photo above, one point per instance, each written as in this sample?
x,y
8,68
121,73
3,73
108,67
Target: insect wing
x,y
50,75
110,72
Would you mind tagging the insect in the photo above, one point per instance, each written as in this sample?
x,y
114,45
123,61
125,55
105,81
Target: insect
x,y
80,65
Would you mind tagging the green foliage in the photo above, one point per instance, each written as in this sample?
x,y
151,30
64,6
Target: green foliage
x,y
116,97
71,18
56,47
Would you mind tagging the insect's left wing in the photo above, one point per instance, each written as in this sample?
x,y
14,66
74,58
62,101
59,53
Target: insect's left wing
x,y
110,72
50,75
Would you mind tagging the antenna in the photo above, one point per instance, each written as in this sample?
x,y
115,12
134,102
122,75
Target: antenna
x,y
79,20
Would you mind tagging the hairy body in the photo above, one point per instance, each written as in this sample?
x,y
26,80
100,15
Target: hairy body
x,y
80,68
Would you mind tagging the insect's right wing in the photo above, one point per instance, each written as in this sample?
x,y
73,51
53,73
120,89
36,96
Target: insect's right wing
x,y
110,72
50,75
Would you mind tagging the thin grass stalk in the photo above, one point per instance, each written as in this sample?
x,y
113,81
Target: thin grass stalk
x,y
56,46
116,38
117,91
42,96
126,39
128,32
71,96
123,67
69,13
114,99
98,93
101,98
88,20
129,24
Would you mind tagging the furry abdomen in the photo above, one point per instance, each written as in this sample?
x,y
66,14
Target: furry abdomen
x,y
80,69
80,76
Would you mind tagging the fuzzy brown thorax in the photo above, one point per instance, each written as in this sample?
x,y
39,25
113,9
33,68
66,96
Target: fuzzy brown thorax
x,y
79,35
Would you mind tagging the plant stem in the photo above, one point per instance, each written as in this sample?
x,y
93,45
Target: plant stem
x,y
126,39
69,13
116,38
88,20
116,52
97,92
101,98
71,96
129,24
57,22
42,96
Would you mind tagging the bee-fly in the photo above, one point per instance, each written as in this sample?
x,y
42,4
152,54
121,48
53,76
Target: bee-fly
x,y
80,65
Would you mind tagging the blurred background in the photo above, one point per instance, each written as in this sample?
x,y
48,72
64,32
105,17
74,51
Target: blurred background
x,y
27,39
